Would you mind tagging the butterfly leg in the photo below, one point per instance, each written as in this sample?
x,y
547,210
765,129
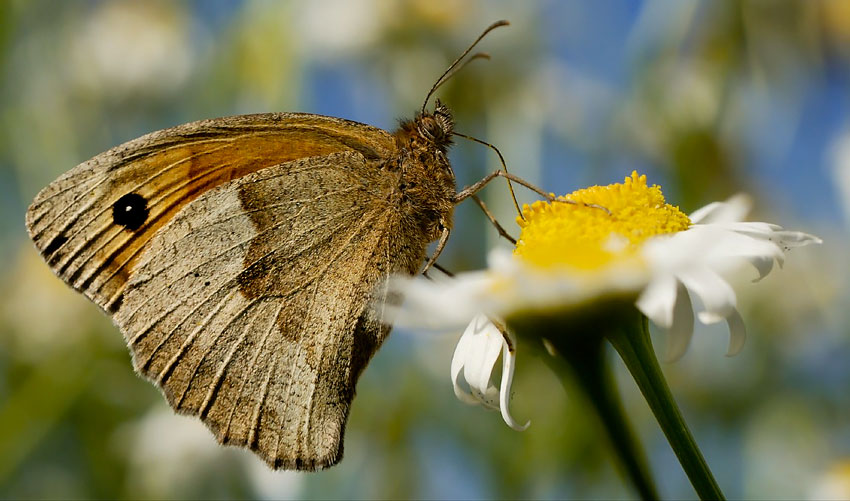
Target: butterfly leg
x,y
492,218
475,188
443,270
444,237
470,191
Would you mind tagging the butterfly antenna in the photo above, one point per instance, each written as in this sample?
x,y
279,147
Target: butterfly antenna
x,y
504,166
459,59
477,55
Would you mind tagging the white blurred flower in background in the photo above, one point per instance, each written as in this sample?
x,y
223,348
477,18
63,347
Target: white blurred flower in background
x,y
127,48
168,452
334,28
171,455
834,484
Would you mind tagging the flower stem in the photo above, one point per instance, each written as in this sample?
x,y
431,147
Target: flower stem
x,y
635,347
586,357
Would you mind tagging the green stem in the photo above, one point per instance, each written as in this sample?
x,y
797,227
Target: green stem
x,y
590,368
635,347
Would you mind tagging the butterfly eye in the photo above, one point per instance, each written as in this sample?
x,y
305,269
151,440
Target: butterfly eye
x,y
431,129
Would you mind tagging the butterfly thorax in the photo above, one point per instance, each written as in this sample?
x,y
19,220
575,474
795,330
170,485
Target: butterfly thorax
x,y
426,182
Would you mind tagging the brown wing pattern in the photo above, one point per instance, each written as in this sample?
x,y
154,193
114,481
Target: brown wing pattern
x,y
250,309
71,221
244,293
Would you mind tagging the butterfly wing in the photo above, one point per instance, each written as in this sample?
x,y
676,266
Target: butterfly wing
x,y
248,304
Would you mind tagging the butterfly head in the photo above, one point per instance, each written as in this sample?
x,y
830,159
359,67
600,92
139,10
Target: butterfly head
x,y
436,127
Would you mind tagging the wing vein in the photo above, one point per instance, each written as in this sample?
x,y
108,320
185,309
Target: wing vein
x,y
312,388
287,391
215,386
231,321
166,371
249,371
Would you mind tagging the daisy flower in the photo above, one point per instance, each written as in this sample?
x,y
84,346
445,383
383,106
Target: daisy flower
x,y
602,245
603,260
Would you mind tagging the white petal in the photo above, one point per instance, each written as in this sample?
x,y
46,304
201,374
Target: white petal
x,y
440,304
765,239
752,228
737,333
717,296
501,260
722,247
658,299
682,329
734,209
480,356
508,365
464,346
476,354
796,238
703,214
763,265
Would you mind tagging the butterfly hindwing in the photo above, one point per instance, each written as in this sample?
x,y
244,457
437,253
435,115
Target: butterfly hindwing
x,y
264,332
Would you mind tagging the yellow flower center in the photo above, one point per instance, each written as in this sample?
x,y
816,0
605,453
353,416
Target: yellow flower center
x,y
604,224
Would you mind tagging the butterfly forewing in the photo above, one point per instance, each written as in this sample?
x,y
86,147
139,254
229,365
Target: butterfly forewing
x,y
73,220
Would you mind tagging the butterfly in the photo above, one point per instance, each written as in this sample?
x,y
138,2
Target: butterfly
x,y
246,261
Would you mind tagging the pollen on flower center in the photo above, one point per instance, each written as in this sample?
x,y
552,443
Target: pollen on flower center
x,y
584,236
